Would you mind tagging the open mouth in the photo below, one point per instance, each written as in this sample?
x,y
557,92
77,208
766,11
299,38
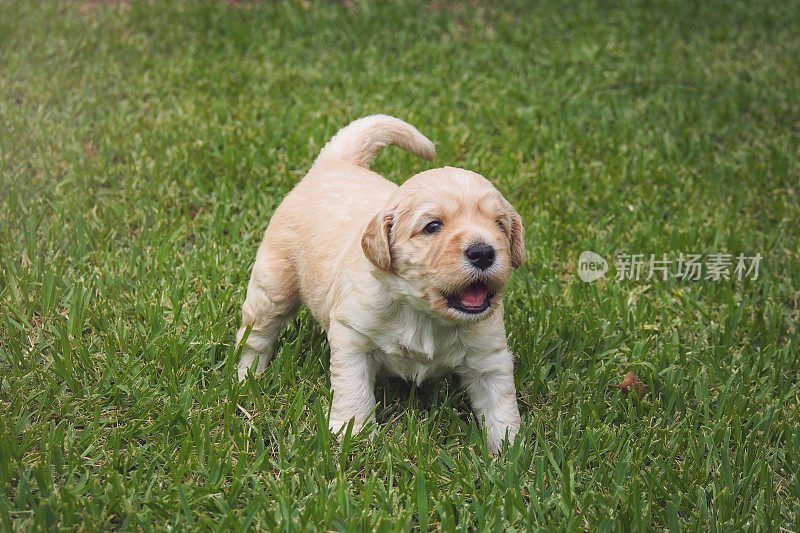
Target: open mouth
x,y
473,300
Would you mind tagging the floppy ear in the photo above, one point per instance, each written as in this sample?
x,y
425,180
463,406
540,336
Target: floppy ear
x,y
517,238
375,241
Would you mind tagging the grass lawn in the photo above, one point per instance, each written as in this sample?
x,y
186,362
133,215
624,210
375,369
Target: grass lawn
x,y
143,147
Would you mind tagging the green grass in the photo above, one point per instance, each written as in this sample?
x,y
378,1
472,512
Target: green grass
x,y
142,151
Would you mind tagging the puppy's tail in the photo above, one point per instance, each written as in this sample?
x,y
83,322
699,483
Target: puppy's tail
x,y
358,142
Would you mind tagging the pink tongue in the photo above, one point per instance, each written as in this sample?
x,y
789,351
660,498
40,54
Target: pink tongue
x,y
474,296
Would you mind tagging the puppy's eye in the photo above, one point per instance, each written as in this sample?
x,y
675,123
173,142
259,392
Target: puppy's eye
x,y
432,227
500,223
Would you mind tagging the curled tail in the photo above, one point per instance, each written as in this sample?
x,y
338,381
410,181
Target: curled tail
x,y
358,142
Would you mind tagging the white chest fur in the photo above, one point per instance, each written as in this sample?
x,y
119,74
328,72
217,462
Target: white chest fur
x,y
414,346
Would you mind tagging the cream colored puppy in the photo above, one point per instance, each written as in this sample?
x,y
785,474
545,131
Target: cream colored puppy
x,y
405,280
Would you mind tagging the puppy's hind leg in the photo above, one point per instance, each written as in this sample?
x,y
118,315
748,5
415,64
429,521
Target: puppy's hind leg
x,y
272,299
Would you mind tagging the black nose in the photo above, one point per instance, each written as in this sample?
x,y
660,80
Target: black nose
x,y
481,255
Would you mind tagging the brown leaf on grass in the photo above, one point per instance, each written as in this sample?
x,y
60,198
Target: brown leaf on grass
x,y
631,381
88,149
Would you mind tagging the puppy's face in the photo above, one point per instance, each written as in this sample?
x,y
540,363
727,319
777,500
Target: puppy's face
x,y
446,244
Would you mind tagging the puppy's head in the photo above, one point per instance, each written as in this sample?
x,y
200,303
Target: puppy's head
x,y
446,243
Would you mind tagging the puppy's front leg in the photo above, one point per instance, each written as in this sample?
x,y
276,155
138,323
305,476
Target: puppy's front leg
x,y
352,378
490,385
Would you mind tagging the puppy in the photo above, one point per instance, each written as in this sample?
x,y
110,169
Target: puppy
x,y
405,280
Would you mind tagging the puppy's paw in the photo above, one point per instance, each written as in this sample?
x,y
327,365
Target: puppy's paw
x,y
338,426
497,432
249,356
241,372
